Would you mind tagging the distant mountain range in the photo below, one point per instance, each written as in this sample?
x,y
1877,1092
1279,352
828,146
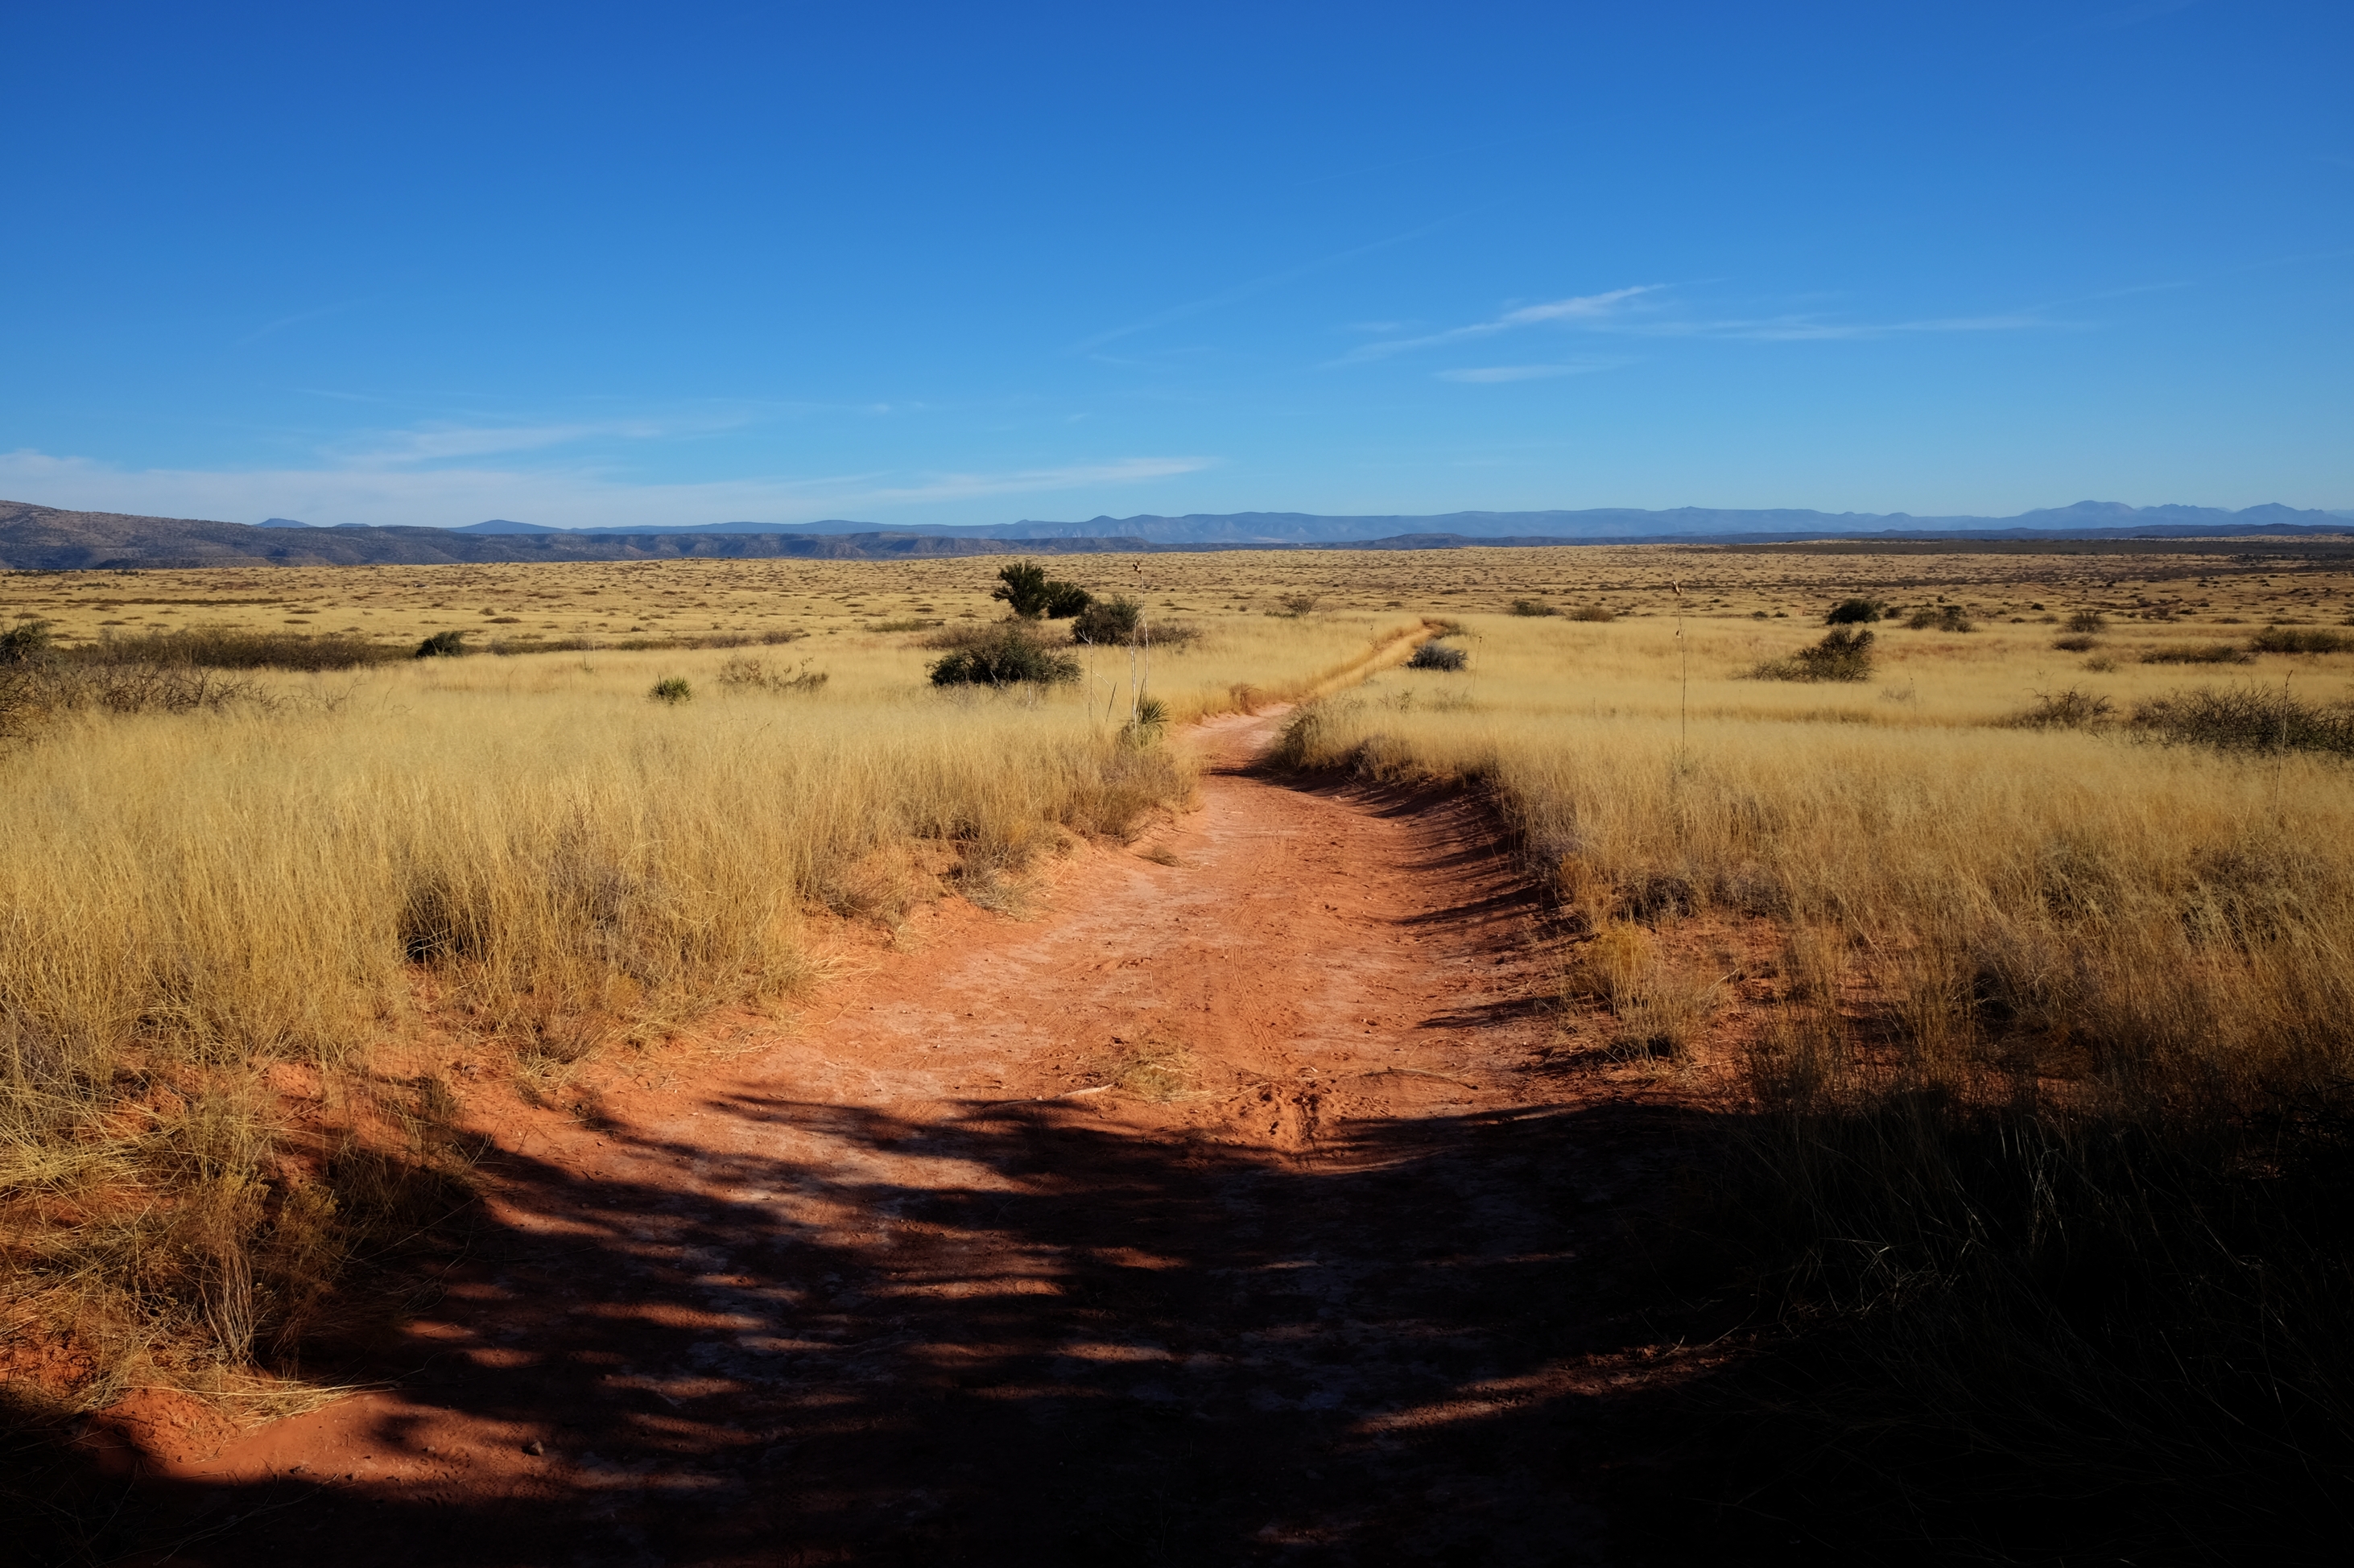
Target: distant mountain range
x,y
2086,519
45,538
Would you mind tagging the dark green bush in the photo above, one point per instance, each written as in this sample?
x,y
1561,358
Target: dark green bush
x,y
442,645
1532,607
1006,653
1855,612
1437,655
1106,621
672,689
1029,593
2074,644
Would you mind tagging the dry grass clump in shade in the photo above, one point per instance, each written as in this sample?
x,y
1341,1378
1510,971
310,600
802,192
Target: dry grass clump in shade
x,y
2048,1131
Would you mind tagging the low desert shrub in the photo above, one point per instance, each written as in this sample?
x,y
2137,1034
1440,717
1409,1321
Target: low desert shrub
x,y
2195,653
2067,709
1943,617
442,645
1532,607
1107,621
746,672
1007,653
2075,642
672,689
2247,718
1843,654
2088,621
1855,612
1593,612
2300,640
231,647
1437,655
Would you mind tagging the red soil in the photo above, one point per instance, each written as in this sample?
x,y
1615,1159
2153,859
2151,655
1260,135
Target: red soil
x,y
1339,1276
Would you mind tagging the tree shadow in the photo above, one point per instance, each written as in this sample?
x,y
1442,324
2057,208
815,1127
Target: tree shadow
x,y
1017,1336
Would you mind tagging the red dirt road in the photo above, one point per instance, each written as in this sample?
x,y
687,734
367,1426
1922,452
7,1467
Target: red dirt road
x,y
1330,1278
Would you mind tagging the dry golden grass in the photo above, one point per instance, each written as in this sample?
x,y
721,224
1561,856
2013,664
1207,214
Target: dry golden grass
x,y
2044,1120
528,852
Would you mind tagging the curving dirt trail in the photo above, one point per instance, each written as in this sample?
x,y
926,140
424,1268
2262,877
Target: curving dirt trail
x,y
1329,1276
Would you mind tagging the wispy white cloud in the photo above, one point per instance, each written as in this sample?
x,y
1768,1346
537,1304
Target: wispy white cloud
x,y
1260,284
1482,375
577,497
1582,310
297,319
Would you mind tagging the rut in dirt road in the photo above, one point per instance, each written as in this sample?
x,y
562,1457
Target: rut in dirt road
x,y
1338,1287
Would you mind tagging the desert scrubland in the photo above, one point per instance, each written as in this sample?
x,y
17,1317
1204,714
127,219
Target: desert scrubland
x,y
2021,992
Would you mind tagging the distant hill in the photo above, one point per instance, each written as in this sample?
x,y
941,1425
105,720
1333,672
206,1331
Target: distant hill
x,y
45,539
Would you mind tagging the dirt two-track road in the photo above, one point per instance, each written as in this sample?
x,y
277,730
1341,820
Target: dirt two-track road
x,y
1336,1272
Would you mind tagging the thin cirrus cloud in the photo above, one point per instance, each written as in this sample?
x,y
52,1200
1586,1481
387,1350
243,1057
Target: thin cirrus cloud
x,y
1582,310
387,495
1647,310
1489,374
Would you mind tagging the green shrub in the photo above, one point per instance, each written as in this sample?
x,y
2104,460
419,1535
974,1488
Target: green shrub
x,y
1842,655
2300,640
1532,607
1437,655
1029,593
2074,644
442,645
1855,612
1106,621
672,689
1006,653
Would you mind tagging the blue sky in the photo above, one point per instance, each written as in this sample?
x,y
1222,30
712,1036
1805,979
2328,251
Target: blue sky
x,y
588,264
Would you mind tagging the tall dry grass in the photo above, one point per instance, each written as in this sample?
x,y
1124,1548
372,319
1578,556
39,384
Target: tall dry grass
x,y
528,855
2046,1133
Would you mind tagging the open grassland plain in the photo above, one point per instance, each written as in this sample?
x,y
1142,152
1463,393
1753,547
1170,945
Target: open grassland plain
x,y
241,918
2007,954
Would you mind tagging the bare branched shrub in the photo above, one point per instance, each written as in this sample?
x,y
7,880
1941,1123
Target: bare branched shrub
x,y
2068,708
2247,718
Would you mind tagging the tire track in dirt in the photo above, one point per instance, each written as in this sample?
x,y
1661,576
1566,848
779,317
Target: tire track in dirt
x,y
1217,1212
